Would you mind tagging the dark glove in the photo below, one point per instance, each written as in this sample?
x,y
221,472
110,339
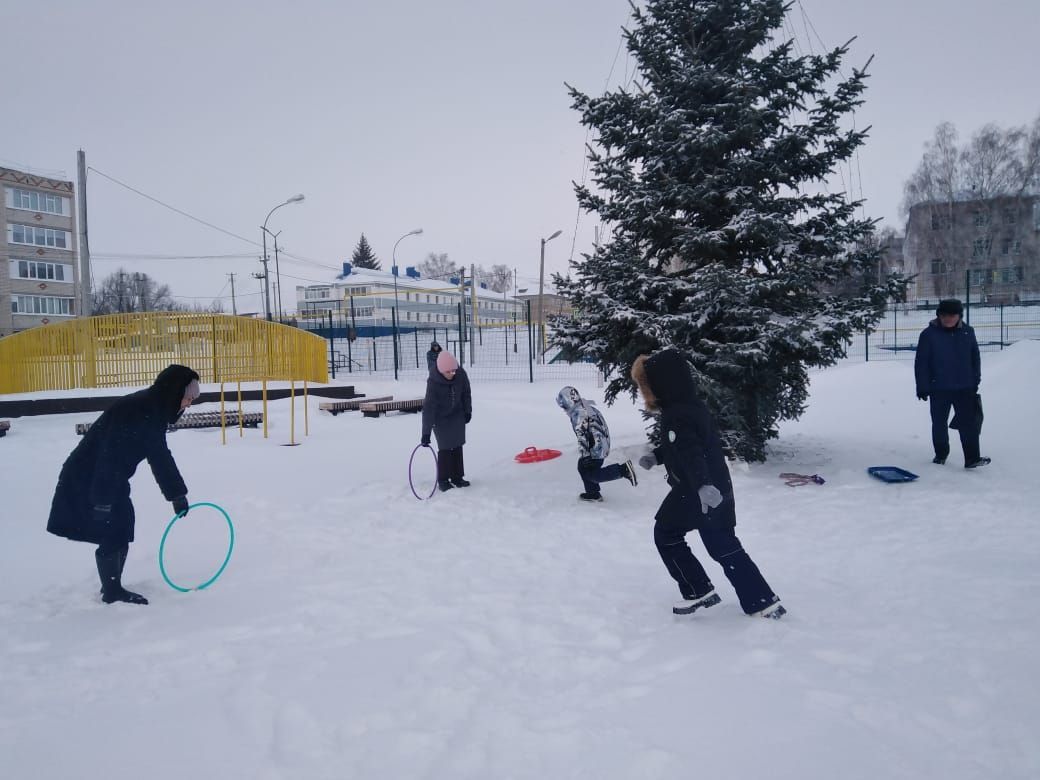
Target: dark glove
x,y
923,395
710,497
425,441
648,461
180,505
468,418
102,514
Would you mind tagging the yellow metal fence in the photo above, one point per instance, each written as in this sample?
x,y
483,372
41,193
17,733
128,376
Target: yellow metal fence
x,y
121,350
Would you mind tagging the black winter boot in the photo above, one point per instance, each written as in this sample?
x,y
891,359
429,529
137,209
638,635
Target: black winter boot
x,y
110,561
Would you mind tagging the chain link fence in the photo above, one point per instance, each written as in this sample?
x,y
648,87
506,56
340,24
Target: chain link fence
x,y
895,336
506,347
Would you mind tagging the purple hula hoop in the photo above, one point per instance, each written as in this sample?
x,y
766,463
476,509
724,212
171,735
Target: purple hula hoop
x,y
411,482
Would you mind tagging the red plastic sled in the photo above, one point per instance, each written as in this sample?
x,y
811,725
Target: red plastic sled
x,y
533,455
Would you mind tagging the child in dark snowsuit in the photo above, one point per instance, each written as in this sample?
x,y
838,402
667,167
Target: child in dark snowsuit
x,y
701,496
92,500
593,445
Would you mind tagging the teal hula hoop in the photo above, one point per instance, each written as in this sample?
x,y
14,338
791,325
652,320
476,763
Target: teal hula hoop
x,y
211,580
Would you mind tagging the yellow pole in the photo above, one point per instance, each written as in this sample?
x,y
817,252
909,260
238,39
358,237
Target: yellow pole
x,y
265,407
292,412
223,422
241,427
306,414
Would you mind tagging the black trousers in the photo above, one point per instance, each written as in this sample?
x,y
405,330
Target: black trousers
x,y
449,464
593,472
722,545
966,409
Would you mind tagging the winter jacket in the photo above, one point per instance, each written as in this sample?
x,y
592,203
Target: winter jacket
x,y
431,356
447,408
690,446
947,359
587,422
98,471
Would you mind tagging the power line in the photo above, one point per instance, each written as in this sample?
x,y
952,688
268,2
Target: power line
x,y
183,213
172,208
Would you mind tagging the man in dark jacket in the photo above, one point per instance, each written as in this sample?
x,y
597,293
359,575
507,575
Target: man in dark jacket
x,y
92,500
701,496
948,371
431,356
447,410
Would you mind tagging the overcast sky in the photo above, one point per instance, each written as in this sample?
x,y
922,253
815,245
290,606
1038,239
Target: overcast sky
x,y
392,115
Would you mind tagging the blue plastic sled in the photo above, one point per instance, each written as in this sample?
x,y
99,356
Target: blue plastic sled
x,y
891,474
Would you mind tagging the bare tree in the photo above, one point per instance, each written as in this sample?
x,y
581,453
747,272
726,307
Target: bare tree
x,y
437,266
994,162
122,292
499,278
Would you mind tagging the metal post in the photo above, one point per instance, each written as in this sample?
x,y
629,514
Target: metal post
x,y
530,344
332,350
1001,327
866,345
462,344
895,328
416,346
967,296
393,322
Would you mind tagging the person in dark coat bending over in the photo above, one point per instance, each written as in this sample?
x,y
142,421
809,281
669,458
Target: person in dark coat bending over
x,y
948,370
92,500
701,496
447,410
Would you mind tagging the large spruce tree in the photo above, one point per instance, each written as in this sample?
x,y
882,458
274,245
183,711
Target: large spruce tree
x,y
363,256
724,242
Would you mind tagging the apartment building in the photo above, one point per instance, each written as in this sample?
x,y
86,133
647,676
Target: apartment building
x,y
39,261
990,247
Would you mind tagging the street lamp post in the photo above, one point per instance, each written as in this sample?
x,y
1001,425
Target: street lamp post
x,y
541,289
264,231
393,270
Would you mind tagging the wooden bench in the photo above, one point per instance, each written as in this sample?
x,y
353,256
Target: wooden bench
x,y
201,420
376,408
335,407
5,426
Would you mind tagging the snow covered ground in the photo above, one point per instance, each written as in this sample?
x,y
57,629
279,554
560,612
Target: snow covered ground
x,y
509,631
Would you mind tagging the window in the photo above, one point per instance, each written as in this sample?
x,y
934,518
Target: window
x,y
1010,217
35,269
1010,275
427,298
1016,247
44,202
40,304
981,218
938,267
408,315
980,247
427,313
978,277
38,236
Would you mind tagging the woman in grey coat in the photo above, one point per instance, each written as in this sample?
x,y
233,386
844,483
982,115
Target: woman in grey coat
x,y
447,410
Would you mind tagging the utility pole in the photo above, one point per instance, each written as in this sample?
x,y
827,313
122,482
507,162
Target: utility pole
x,y
278,276
234,308
85,308
267,290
